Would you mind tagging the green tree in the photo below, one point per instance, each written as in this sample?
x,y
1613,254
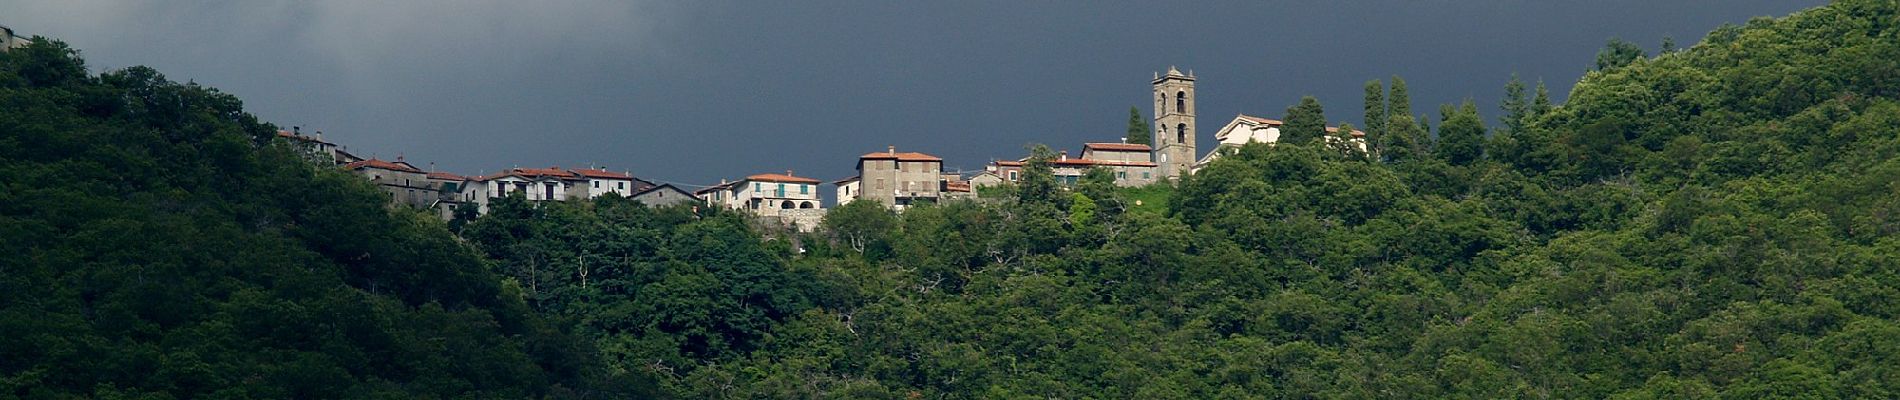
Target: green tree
x,y
1461,138
1540,105
1617,53
1343,142
1404,140
1374,112
1516,106
1038,184
1305,122
1399,102
1138,131
860,225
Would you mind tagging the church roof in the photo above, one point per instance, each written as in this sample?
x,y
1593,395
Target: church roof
x,y
1116,147
1259,120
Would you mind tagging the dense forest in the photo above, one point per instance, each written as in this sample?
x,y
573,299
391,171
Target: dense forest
x,y
1712,221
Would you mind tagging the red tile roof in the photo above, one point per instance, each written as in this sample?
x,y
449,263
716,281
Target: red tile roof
x,y
899,156
846,180
447,176
601,173
1259,120
781,178
1009,163
1117,147
1074,162
956,186
549,172
380,164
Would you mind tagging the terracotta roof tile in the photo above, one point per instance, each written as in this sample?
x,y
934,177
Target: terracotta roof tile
x,y
380,164
781,178
911,156
447,176
1259,120
601,173
1117,146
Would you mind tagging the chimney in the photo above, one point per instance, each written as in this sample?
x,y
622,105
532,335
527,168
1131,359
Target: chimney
x,y
319,135
1065,155
893,149
398,157
788,172
296,130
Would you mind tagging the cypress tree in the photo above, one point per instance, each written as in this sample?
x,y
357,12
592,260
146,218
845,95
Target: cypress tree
x,y
1138,127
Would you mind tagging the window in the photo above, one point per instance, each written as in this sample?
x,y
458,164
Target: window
x,y
804,189
1180,102
1180,133
622,185
1144,175
787,205
880,184
781,190
1163,136
596,184
756,188
1012,176
1121,175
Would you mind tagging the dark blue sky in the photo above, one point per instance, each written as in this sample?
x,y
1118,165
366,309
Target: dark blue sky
x,y
696,91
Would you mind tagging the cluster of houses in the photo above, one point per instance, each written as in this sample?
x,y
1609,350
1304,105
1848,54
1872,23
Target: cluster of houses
x,y
894,179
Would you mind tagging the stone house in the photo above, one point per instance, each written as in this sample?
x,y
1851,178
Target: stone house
x,y
664,194
791,200
895,179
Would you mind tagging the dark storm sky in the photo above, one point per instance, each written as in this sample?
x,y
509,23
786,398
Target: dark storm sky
x,y
695,91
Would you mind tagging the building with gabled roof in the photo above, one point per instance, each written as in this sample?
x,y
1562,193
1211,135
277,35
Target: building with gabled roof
x,y
1131,164
314,147
896,179
10,41
534,184
664,194
1246,129
789,199
599,182
408,185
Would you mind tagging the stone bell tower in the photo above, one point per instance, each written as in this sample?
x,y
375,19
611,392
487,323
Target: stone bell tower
x,y
1174,123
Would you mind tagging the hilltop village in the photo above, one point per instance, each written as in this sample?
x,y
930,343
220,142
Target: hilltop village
x,y
896,179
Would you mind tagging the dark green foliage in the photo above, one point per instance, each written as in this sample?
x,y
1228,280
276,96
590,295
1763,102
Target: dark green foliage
x,y
1656,237
161,245
1617,53
1375,113
1517,108
1398,102
1305,122
1138,131
1716,223
1461,137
